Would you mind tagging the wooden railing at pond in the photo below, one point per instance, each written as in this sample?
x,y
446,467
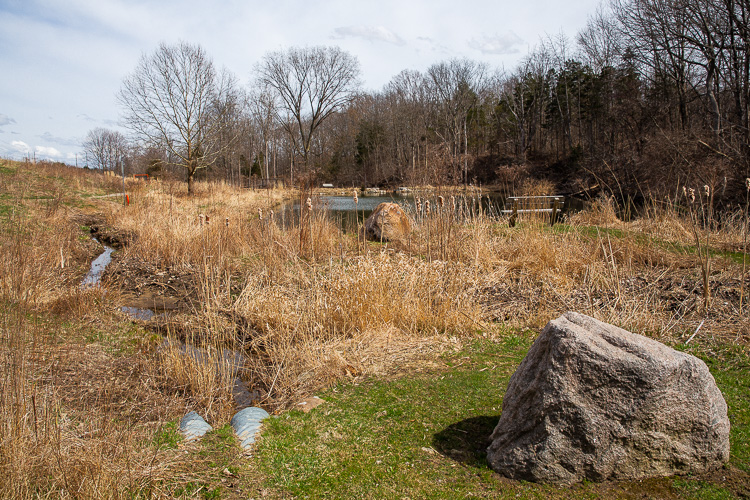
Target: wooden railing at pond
x,y
515,205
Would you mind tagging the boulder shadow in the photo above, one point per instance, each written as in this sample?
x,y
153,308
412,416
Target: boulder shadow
x,y
466,441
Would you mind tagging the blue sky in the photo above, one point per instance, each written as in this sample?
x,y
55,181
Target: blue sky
x,y
63,61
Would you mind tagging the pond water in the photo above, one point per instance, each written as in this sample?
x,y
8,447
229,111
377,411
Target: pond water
x,y
349,214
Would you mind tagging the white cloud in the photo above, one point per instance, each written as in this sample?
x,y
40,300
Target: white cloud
x,y
86,117
20,147
99,42
371,33
48,152
41,152
6,120
507,43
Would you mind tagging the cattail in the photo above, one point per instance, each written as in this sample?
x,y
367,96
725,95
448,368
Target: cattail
x,y
691,195
747,183
208,220
356,198
260,213
270,214
453,203
419,205
440,201
309,204
684,191
706,190
427,206
226,221
202,219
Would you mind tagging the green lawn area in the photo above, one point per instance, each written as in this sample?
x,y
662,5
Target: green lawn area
x,y
424,436
647,240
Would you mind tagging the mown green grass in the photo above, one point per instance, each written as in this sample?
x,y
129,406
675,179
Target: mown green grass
x,y
730,366
596,232
425,436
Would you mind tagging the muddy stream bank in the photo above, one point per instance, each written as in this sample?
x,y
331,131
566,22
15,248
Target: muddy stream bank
x,y
152,296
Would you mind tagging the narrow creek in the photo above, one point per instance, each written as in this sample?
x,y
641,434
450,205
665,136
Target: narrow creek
x,y
229,360
94,276
343,209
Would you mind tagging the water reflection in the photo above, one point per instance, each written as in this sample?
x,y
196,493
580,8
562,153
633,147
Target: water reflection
x,y
349,215
94,276
138,313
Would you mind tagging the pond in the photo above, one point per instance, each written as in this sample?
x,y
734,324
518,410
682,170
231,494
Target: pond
x,y
348,214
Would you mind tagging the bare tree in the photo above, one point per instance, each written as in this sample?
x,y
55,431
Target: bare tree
x,y
524,98
262,112
175,100
234,133
600,40
455,86
656,34
408,93
105,147
309,84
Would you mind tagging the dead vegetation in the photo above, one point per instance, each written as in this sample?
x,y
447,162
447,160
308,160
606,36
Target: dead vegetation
x,y
84,391
306,302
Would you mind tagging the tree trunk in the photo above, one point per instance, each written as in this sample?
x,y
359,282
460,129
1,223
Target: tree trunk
x,y
713,104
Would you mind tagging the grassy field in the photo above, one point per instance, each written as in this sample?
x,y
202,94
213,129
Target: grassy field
x,y
424,435
411,344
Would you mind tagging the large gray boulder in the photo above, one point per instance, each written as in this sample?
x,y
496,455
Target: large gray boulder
x,y
593,401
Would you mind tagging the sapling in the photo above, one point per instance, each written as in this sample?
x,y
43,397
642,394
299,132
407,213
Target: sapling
x,y
310,220
700,219
744,243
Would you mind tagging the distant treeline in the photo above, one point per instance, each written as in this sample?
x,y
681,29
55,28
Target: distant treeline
x,y
651,95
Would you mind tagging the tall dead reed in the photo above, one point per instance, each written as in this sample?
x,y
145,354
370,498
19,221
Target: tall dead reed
x,y
78,413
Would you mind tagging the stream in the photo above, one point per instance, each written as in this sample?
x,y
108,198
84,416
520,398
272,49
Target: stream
x,y
348,214
225,360
94,277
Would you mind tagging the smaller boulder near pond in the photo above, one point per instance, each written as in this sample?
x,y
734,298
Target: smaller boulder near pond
x,y
591,401
388,222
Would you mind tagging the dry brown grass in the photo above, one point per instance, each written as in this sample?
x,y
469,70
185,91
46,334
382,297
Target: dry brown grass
x,y
600,212
308,329
536,187
81,399
306,303
76,419
295,309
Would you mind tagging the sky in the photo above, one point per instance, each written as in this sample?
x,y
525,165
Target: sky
x,y
62,62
